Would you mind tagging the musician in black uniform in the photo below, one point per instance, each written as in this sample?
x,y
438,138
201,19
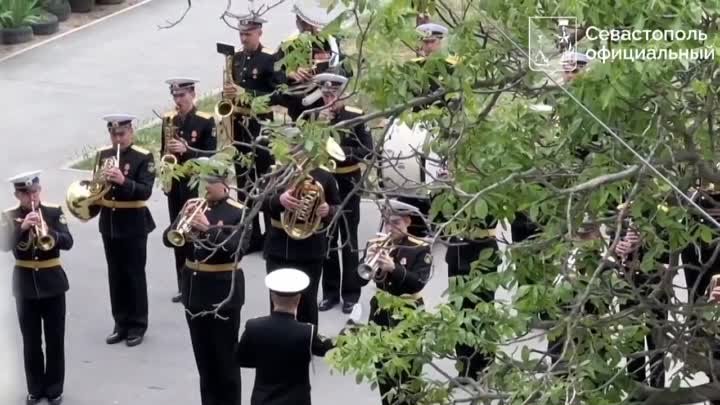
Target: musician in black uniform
x,y
402,272
306,254
125,222
325,56
39,285
194,136
254,71
698,254
357,145
279,347
215,250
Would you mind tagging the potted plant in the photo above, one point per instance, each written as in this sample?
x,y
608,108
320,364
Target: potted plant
x,y
82,6
60,8
47,24
16,17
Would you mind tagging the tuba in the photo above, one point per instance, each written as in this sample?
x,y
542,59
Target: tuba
x,y
82,196
177,236
369,269
304,221
168,161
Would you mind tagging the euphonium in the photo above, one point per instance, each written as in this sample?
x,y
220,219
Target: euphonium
x,y
44,240
369,269
82,196
168,161
178,235
304,221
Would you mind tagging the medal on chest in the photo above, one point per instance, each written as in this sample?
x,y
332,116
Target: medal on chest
x,y
403,261
254,73
193,136
126,169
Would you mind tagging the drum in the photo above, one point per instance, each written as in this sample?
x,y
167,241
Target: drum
x,y
400,170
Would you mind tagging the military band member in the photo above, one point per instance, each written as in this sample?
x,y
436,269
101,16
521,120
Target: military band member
x,y
403,272
194,136
254,71
357,145
279,347
325,56
36,232
125,222
214,253
308,254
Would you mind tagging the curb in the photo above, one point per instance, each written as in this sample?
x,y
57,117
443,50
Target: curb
x,y
88,25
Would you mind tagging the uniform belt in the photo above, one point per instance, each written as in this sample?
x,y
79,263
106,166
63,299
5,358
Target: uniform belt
x,y
122,204
211,267
347,169
38,264
276,224
415,296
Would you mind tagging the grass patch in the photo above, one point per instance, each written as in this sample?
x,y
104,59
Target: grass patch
x,y
147,137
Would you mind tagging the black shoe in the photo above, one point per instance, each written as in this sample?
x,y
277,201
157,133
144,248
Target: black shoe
x,y
328,304
32,400
56,401
176,298
348,307
134,340
114,338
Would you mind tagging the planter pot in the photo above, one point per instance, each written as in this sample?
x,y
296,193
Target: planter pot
x,y
60,8
109,1
82,6
11,36
46,26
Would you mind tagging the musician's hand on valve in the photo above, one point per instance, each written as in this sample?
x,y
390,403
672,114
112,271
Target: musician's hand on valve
x,y
326,114
30,220
386,263
715,295
201,223
323,210
229,91
114,175
288,201
628,244
177,146
301,75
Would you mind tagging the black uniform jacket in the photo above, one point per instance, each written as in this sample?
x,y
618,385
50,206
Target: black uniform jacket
x,y
413,263
357,143
138,166
30,283
201,289
434,84
198,130
280,349
280,246
255,72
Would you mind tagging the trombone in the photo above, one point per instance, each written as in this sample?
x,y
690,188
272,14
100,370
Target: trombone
x,y
42,237
370,268
179,234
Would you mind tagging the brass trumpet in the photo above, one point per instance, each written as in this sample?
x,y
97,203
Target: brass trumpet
x,y
304,221
42,237
370,269
178,236
82,195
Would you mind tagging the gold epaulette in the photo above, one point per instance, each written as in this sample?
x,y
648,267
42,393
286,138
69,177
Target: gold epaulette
x,y
170,114
48,205
417,241
7,210
203,114
267,51
354,110
140,149
236,204
452,59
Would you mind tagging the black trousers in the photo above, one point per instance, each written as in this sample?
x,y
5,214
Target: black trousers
x,y
126,260
247,130
44,372
176,201
214,341
345,282
308,308
472,361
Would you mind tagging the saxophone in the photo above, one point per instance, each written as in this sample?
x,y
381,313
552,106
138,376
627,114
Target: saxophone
x,y
168,161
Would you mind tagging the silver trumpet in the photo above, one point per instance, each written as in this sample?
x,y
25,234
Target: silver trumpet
x,y
370,268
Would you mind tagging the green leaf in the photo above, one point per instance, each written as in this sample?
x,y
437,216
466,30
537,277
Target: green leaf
x,y
706,234
481,208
